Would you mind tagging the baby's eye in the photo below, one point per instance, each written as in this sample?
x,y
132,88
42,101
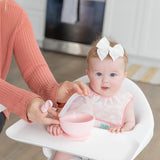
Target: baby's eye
x,y
99,74
112,74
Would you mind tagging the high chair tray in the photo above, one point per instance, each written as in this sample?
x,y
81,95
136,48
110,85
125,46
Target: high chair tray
x,y
101,145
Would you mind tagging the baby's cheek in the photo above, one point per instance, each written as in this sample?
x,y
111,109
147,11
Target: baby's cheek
x,y
117,84
94,85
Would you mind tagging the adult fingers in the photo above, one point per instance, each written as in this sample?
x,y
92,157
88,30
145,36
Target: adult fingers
x,y
50,120
53,112
83,88
74,87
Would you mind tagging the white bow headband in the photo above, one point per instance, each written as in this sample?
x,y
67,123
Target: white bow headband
x,y
104,49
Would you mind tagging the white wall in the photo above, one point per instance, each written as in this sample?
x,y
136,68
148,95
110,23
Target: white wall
x,y
134,24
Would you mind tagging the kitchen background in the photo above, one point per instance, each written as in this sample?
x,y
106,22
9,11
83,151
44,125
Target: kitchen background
x,y
134,24
131,23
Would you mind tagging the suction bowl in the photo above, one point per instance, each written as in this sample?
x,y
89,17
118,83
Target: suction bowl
x,y
77,125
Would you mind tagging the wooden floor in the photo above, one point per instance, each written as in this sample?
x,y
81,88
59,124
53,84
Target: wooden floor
x,y
67,67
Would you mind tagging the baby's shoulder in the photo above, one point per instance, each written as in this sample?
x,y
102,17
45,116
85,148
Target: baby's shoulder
x,y
125,94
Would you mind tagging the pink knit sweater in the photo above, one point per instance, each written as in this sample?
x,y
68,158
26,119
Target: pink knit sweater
x,y
17,37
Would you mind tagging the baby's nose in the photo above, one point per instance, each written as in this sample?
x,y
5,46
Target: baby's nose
x,y
106,79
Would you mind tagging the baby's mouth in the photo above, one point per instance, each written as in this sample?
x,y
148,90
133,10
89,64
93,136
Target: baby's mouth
x,y
104,88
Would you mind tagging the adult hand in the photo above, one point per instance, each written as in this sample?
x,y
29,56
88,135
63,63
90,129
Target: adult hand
x,y
67,88
35,114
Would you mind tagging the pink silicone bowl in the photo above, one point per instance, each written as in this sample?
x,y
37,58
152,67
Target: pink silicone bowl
x,y
77,124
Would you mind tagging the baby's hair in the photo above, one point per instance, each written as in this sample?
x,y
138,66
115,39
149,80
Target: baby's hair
x,y
93,52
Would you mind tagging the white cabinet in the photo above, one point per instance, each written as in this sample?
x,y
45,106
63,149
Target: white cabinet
x,y
135,25
36,10
150,34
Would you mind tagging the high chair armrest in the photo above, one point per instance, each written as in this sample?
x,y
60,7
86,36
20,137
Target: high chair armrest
x,y
143,136
141,133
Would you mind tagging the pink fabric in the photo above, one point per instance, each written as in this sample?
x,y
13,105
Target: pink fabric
x,y
16,36
111,110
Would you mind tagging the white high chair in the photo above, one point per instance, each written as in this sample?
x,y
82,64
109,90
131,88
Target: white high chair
x,y
101,145
2,107
142,132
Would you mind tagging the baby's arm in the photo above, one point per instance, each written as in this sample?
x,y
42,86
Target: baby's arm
x,y
54,129
129,122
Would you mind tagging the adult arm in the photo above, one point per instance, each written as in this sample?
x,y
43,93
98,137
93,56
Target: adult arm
x,y
17,100
36,72
32,64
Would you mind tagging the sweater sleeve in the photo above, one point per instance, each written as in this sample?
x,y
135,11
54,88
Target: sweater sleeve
x,y
15,99
31,62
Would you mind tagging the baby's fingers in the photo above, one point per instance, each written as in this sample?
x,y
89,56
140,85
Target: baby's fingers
x,y
59,131
112,130
115,130
49,129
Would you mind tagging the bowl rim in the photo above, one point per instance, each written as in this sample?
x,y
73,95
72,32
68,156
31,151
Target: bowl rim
x,y
64,121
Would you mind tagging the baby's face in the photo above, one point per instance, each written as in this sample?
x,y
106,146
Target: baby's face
x,y
106,76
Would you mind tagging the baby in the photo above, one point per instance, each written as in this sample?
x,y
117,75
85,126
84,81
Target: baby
x,y
112,106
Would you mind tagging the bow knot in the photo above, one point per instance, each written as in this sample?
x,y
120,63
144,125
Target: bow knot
x,y
104,49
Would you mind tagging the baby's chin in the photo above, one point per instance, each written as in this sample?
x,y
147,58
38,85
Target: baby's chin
x,y
104,93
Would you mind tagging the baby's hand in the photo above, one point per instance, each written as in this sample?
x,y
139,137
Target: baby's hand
x,y
116,130
54,129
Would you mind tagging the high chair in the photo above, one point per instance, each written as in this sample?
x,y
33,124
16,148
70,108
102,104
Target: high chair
x,y
144,128
2,107
102,144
